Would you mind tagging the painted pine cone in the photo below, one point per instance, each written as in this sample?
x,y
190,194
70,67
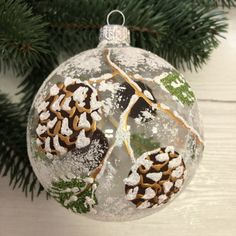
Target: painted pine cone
x,y
67,117
155,177
141,110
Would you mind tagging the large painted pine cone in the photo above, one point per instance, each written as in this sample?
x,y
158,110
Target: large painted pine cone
x,y
155,177
67,117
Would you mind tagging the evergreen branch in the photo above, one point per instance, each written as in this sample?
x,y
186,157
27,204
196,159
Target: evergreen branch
x,y
218,3
32,83
13,152
23,36
192,36
183,32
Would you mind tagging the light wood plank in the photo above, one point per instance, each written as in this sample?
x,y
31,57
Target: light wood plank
x,y
217,79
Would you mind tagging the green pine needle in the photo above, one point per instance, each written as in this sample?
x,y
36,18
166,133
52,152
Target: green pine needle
x,y
72,194
13,152
178,88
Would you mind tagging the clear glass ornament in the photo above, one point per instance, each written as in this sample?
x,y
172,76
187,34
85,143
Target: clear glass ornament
x,y
114,132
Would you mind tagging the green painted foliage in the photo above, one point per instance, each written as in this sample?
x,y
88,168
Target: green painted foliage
x,y
179,88
72,194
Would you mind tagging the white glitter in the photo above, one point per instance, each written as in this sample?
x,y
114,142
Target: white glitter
x,y
178,183
83,122
94,103
68,81
95,116
149,193
89,180
162,198
176,84
170,149
56,105
175,162
132,193
49,155
54,90
82,140
73,198
80,94
42,106
38,142
65,127
144,205
108,86
148,94
41,129
52,123
162,157
65,106
154,130
44,115
133,179
58,147
147,115
167,186
47,147
177,172
154,176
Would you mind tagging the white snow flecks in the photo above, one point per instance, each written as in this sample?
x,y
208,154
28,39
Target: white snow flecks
x,y
162,198
175,162
147,115
148,94
109,86
82,140
56,105
162,157
58,147
167,186
80,94
170,149
107,106
177,173
83,122
95,116
43,105
52,123
41,129
144,205
47,147
149,193
68,81
65,130
154,176
65,106
54,90
44,115
179,183
132,193
133,179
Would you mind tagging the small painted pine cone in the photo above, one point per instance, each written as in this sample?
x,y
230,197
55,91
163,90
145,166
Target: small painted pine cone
x,y
155,177
141,110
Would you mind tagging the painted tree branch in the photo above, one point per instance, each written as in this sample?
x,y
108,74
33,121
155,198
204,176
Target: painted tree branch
x,y
158,106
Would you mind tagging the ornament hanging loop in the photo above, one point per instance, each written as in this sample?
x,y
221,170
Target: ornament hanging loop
x,y
115,11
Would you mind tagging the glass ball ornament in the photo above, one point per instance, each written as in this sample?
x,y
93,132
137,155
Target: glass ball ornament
x,y
114,132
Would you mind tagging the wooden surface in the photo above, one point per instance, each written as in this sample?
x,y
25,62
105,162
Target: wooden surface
x,y
208,205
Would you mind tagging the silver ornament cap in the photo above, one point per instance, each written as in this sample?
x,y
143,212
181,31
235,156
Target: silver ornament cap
x,y
114,34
